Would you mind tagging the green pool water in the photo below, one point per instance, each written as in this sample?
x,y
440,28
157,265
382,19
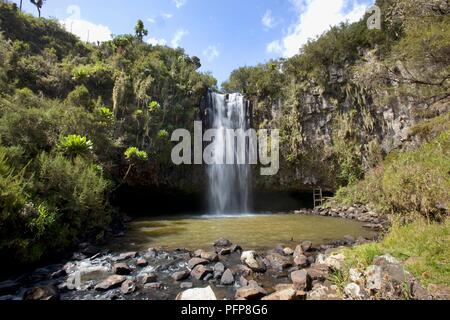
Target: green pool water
x,y
251,231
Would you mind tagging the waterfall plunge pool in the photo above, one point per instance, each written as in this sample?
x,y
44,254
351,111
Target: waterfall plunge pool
x,y
251,231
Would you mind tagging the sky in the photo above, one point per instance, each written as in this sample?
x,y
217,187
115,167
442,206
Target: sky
x,y
224,34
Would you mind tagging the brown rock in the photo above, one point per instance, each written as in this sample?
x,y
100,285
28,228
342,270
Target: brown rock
x,y
286,295
195,262
121,269
279,262
109,283
306,246
301,280
319,272
142,263
250,293
200,272
298,251
147,278
128,286
42,293
301,261
210,256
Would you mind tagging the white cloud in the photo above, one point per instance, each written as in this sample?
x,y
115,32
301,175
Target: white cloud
x,y
179,3
316,17
178,36
268,20
155,41
211,53
151,20
275,47
166,15
86,30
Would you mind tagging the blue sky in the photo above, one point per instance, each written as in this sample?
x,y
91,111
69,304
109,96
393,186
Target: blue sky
x,y
225,34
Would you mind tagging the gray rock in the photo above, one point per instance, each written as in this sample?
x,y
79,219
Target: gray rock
x,y
227,278
253,261
374,278
181,275
222,242
186,285
353,291
202,294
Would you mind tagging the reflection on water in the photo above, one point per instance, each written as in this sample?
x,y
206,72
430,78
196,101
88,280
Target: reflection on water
x,y
250,231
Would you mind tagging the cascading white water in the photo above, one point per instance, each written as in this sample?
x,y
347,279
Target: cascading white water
x,y
229,184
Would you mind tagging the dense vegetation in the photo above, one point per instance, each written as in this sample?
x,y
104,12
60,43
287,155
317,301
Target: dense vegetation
x,y
78,120
354,74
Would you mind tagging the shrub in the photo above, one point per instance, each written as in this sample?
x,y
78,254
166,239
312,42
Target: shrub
x,y
75,145
77,189
414,181
80,97
133,153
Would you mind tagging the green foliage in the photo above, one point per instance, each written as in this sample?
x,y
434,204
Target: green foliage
x,y
423,247
346,147
163,133
413,181
80,97
75,145
12,188
140,30
133,154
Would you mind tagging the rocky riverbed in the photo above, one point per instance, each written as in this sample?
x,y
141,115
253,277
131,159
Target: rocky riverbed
x,y
226,271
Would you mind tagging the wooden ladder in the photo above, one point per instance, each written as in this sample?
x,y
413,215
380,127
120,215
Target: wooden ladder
x,y
318,197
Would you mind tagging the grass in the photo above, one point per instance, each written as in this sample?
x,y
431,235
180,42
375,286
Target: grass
x,y
423,247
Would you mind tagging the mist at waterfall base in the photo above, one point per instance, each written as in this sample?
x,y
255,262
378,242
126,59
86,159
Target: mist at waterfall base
x,y
229,185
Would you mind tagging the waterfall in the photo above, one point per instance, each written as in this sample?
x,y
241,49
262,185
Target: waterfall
x,y
229,184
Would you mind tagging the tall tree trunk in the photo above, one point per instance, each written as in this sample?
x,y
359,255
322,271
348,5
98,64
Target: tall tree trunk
x,y
21,5
39,12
